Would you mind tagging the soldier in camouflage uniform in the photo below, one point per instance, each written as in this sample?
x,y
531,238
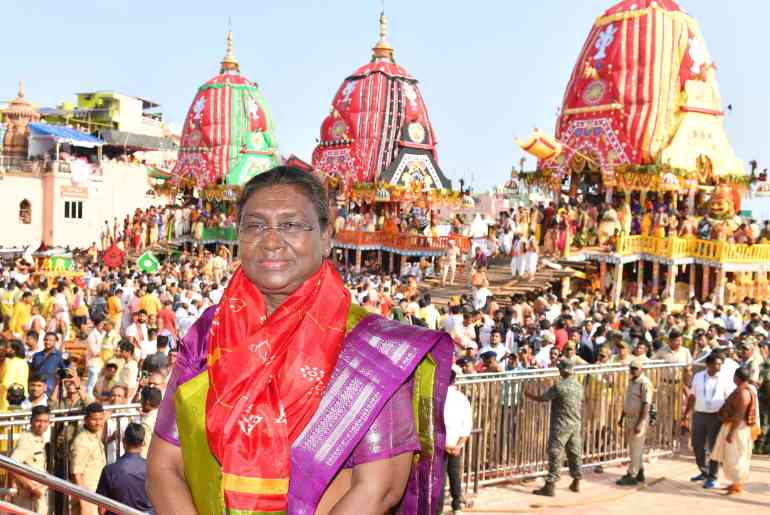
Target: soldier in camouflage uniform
x,y
566,398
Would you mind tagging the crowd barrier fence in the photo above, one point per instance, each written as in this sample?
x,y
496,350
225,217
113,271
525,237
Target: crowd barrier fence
x,y
509,439
64,426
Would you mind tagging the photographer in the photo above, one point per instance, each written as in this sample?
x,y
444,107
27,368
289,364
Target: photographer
x,y
71,396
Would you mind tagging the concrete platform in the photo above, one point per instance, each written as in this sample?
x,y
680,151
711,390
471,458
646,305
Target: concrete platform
x,y
669,491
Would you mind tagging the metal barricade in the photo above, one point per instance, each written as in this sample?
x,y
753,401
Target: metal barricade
x,y
65,424
60,487
510,432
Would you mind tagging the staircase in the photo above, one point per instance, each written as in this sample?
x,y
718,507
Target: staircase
x,y
502,285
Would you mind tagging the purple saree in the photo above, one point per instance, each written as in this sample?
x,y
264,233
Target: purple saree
x,y
386,375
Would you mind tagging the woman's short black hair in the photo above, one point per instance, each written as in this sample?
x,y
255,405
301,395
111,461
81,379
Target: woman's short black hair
x,y
307,183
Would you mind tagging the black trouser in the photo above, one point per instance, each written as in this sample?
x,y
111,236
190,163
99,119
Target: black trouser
x,y
455,485
705,428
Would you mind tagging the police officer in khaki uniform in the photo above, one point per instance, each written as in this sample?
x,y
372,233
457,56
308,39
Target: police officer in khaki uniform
x,y
623,356
636,414
88,456
30,450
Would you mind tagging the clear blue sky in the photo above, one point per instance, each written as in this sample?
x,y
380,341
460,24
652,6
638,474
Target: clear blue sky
x,y
489,70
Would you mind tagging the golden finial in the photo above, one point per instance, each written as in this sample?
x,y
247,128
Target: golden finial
x,y
382,50
229,63
21,89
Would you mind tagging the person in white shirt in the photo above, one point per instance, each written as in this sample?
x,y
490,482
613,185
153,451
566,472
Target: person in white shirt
x,y
464,335
128,375
496,345
184,319
149,346
459,423
94,361
455,318
707,395
136,333
727,372
450,265
543,356
485,330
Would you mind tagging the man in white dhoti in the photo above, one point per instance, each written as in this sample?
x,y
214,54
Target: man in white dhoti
x,y
450,264
517,256
735,441
530,257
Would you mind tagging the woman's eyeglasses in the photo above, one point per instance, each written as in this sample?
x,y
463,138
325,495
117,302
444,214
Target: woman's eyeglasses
x,y
254,231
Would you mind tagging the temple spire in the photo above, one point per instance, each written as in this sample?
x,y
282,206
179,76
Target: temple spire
x,y
21,89
229,62
382,50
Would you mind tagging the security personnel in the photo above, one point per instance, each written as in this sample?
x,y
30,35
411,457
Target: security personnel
x,y
88,457
566,398
636,415
30,450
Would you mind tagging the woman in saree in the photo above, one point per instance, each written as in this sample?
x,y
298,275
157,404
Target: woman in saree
x,y
286,398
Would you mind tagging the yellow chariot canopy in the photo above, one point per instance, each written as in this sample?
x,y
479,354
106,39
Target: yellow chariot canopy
x,y
541,145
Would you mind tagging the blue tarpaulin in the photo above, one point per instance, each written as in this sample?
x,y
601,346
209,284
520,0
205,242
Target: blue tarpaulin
x,y
62,134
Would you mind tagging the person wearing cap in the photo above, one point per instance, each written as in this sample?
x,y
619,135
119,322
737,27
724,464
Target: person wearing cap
x,y
675,352
566,398
458,420
707,395
466,366
623,357
635,417
488,363
749,359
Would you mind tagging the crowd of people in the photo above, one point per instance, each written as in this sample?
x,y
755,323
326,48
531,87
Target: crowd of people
x,y
165,224
109,337
546,331
90,342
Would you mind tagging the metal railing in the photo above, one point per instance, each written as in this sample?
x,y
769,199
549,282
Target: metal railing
x,y
62,486
510,432
399,241
708,250
65,424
